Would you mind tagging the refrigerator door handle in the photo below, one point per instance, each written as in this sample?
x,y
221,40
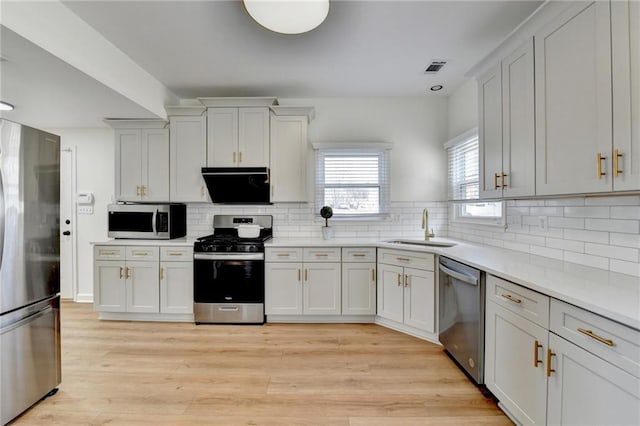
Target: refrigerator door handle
x,y
26,319
1,217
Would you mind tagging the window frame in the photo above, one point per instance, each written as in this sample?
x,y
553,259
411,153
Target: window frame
x,y
379,149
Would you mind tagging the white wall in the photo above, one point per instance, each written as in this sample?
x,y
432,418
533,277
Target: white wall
x,y
95,173
462,109
417,127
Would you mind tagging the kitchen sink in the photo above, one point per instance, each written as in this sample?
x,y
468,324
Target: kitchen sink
x,y
426,243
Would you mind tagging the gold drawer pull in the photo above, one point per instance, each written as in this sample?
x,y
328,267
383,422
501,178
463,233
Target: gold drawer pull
x,y
283,255
403,259
599,159
321,255
175,253
140,253
359,255
550,370
107,253
536,360
513,299
593,335
616,162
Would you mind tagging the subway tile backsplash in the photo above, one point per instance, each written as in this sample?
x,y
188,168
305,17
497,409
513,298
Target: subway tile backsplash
x,y
601,232
300,220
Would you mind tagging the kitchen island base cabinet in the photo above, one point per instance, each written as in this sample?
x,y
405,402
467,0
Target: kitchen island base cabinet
x,y
406,292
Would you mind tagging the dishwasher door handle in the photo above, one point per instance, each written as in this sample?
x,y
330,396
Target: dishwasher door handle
x,y
459,275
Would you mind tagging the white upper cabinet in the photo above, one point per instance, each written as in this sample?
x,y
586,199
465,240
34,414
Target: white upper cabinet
x,y
142,163
625,29
506,126
574,101
238,137
288,158
188,149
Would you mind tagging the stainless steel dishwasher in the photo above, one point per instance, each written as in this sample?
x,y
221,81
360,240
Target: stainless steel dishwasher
x,y
461,315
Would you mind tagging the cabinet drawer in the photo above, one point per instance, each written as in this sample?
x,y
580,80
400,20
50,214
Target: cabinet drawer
x,y
611,341
108,252
406,258
524,302
143,253
283,254
176,254
359,254
321,254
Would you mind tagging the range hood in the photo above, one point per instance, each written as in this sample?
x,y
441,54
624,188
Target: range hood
x,y
237,185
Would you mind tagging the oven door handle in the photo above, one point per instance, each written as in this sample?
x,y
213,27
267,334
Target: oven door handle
x,y
228,256
459,275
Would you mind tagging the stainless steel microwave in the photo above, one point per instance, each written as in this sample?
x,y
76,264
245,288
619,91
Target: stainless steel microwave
x,y
147,221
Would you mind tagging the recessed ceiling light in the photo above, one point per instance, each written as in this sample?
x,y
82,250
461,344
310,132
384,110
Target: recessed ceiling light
x,y
436,87
4,106
288,16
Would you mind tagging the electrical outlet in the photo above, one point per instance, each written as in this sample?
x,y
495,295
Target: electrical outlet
x,y
543,223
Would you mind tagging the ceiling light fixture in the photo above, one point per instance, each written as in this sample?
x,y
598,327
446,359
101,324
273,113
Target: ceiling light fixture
x,y
4,106
288,16
436,87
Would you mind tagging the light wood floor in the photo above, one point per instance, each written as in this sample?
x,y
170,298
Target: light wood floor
x,y
137,373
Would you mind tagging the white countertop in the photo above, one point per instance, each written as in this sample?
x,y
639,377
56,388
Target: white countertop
x,y
613,295
610,294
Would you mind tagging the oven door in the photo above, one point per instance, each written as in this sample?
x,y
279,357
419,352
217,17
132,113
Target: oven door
x,y
228,287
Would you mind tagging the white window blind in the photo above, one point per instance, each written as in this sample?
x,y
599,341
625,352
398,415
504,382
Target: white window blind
x,y
353,181
464,181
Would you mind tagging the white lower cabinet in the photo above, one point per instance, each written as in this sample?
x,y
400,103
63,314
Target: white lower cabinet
x,y
138,280
552,363
406,288
311,287
359,288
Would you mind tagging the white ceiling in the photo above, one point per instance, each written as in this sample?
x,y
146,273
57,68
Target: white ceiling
x,y
364,48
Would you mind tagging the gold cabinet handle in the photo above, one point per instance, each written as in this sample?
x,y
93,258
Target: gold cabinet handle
x,y
550,370
504,184
202,191
239,157
299,274
406,280
273,189
138,190
495,181
513,299
399,280
594,336
161,274
121,272
403,259
599,159
373,274
144,190
536,360
616,162
306,275
234,157
127,273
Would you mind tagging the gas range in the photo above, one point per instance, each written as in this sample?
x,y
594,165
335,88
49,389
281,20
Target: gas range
x,y
225,236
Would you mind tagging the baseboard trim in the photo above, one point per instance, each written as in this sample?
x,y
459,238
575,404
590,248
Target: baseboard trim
x,y
84,298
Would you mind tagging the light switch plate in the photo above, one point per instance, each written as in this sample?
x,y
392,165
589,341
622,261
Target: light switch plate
x,y
85,209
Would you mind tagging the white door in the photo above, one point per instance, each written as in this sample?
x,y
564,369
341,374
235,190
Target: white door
x,y
109,291
518,123
283,288
515,365
143,286
253,137
586,390
321,294
358,288
128,164
188,148
390,292
419,299
222,137
490,133
155,165
67,224
573,101
176,287
288,159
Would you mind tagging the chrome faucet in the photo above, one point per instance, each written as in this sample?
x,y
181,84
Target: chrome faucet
x,y
425,225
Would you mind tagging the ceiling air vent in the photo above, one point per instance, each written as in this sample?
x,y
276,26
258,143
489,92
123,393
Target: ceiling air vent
x,y
434,67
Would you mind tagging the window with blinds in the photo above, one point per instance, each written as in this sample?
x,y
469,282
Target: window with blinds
x,y
464,182
353,181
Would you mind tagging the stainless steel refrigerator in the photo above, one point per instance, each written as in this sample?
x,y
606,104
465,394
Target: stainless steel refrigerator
x,y
29,267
